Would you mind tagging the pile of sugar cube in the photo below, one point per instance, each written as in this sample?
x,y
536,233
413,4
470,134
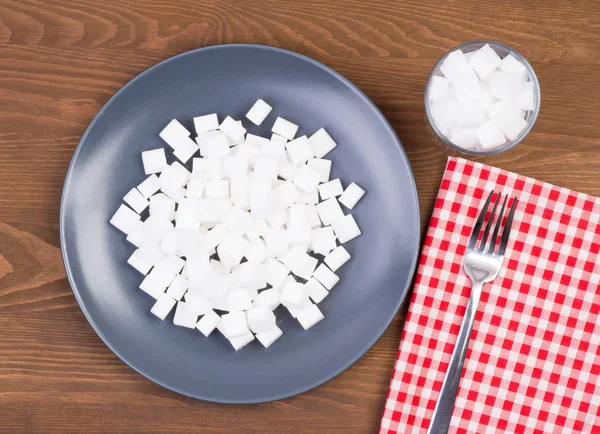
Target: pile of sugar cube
x,y
480,102
256,224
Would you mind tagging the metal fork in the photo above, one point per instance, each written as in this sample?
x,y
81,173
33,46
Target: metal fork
x,y
482,263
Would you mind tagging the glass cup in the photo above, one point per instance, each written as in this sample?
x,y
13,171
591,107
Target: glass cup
x,y
530,115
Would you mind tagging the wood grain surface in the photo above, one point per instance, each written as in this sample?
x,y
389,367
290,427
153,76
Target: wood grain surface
x,y
61,60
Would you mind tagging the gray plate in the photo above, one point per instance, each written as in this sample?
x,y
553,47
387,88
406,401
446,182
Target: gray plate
x,y
228,79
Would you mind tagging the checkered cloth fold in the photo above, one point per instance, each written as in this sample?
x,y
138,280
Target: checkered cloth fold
x,y
533,363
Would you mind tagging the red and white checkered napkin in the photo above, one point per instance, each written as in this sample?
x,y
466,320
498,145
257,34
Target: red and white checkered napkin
x,y
533,363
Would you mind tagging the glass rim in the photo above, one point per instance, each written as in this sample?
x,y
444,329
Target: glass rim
x,y
531,75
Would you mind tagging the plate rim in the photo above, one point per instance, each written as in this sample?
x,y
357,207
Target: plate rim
x,y
200,396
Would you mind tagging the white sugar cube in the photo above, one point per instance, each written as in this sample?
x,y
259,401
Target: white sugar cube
x,y
320,166
351,195
455,65
309,316
294,294
210,168
253,139
154,161
505,85
269,298
149,186
195,189
307,271
490,135
338,257
136,234
153,286
456,68
325,276
206,123
187,215
321,143
215,288
295,259
297,216
444,113
308,197
466,87
438,88
185,150
257,252
252,275
311,216
346,228
162,205
306,179
464,137
258,228
150,253
183,174
208,323
216,145
198,303
484,61
512,65
329,211
504,112
259,111
168,242
525,98
184,316
233,129
232,250
299,150
273,150
124,219
330,189
284,128
323,240
163,306
220,304
217,188
277,221
238,300
268,337
136,260
215,236
266,168
470,114
260,319
234,324
262,205
178,287
238,221
276,272
239,342
513,129
287,170
167,268
298,235
276,138
286,194
316,291
173,133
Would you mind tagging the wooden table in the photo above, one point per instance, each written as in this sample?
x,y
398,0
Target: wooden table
x,y
61,60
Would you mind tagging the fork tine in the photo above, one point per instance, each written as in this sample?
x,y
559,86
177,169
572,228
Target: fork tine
x,y
506,231
479,222
488,224
494,239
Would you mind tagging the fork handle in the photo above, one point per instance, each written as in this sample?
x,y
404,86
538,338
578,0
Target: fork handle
x,y
440,421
